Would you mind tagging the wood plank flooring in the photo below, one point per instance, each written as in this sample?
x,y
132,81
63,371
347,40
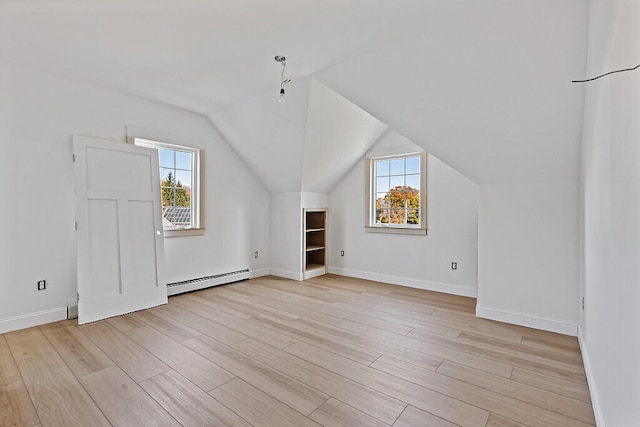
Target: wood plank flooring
x,y
330,351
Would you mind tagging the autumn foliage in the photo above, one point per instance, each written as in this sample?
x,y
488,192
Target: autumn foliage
x,y
401,205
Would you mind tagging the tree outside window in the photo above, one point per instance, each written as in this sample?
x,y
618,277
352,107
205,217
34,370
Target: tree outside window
x,y
397,190
178,184
397,194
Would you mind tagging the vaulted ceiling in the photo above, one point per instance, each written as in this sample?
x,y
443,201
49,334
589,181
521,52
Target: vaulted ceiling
x,y
482,84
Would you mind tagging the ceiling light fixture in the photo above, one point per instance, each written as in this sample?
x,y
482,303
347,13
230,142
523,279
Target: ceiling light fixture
x,y
282,60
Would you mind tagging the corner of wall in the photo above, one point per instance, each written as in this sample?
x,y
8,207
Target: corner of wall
x,y
427,285
595,401
260,272
293,275
523,319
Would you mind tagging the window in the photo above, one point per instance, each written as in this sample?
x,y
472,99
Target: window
x,y
397,194
179,185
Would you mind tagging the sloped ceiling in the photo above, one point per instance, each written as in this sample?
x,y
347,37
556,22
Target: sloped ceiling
x,y
306,144
268,135
338,133
482,84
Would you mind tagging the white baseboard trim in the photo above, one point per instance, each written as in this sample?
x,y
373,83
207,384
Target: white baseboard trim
x,y
293,275
314,273
24,321
405,281
260,272
595,402
528,320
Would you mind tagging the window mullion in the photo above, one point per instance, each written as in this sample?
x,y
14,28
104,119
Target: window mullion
x,y
174,154
397,191
175,178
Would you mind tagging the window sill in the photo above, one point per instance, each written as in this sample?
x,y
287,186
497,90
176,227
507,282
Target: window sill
x,y
184,232
396,230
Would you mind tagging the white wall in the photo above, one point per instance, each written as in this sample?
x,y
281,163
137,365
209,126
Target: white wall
x,y
286,235
286,230
39,114
528,262
314,200
410,260
610,329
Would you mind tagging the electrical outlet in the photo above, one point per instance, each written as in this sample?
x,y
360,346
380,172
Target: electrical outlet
x,y
583,303
255,254
42,285
454,265
341,253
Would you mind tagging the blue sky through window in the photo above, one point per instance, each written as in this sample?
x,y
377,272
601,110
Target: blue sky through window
x,y
177,163
394,173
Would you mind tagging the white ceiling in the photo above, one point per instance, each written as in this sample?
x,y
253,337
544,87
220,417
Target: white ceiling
x,y
482,84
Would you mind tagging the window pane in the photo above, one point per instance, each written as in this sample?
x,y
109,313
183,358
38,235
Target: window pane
x,y
396,181
382,216
397,216
413,199
397,198
164,174
382,185
183,160
183,197
413,216
168,196
179,202
413,181
166,158
382,167
382,200
396,191
177,216
413,164
397,166
184,178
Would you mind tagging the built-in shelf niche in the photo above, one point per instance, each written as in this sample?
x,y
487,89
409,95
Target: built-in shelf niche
x,y
315,242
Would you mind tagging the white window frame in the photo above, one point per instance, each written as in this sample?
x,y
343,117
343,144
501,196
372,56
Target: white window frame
x,y
157,140
370,224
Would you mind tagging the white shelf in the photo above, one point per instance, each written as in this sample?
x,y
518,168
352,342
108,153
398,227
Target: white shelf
x,y
315,242
314,266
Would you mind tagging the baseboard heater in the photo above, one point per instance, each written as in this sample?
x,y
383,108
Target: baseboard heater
x,y
206,282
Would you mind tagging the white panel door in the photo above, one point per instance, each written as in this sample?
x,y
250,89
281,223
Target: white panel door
x,y
119,228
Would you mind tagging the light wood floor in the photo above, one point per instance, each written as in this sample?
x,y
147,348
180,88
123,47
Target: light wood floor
x,y
332,351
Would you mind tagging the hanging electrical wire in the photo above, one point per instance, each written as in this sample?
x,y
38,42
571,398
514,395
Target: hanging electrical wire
x,y
606,74
282,60
283,80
